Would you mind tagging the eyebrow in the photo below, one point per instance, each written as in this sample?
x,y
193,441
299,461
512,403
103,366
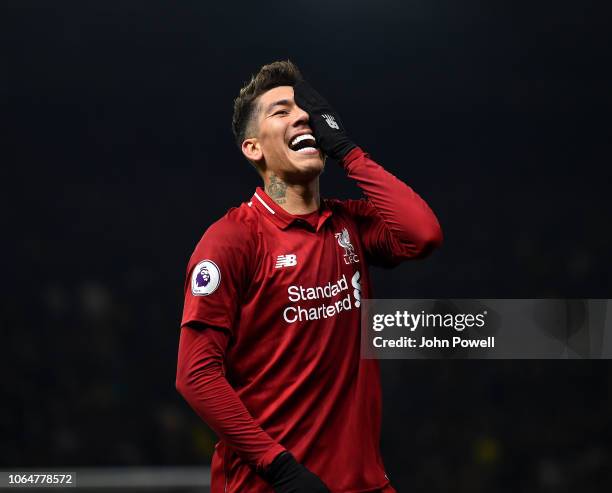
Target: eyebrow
x,y
280,102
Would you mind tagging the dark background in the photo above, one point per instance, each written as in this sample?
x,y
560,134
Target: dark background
x,y
117,154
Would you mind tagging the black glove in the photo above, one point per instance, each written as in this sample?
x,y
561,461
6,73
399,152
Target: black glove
x,y
324,121
286,475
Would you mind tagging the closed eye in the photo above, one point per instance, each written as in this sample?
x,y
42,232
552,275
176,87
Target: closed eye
x,y
281,112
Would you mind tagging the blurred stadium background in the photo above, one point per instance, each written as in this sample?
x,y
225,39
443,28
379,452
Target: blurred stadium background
x,y
117,154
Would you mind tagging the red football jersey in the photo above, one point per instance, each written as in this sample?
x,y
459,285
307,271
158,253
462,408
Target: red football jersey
x,y
290,292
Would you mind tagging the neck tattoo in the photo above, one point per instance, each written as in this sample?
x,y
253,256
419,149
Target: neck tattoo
x,y
277,189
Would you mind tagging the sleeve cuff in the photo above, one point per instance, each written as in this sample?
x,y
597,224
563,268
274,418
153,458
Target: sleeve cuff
x,y
269,456
353,154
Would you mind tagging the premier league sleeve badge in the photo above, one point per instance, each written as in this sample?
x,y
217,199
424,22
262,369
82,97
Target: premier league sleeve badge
x,y
205,278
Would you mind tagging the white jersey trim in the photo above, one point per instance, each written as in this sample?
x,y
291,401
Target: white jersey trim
x,y
264,204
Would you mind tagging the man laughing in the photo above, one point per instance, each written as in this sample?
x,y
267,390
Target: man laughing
x,y
269,352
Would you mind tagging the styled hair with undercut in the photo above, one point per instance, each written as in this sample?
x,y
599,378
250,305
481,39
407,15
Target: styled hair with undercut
x,y
281,73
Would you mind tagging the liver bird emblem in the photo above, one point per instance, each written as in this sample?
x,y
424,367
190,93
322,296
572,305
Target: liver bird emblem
x,y
344,241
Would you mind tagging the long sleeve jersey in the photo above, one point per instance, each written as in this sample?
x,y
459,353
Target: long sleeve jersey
x,y
269,354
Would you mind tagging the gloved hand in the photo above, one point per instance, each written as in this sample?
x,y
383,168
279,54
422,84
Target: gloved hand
x,y
286,475
324,121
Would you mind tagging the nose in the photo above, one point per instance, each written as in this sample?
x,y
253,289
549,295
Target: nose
x,y
301,117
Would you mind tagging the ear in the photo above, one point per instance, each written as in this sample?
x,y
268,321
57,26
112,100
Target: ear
x,y
252,149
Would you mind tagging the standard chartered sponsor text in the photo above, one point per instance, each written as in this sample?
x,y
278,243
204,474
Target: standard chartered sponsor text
x,y
330,308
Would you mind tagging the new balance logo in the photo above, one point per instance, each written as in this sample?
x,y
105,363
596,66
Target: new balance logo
x,y
288,260
331,121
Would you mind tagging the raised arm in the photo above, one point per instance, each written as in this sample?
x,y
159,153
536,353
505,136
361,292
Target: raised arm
x,y
395,223
409,226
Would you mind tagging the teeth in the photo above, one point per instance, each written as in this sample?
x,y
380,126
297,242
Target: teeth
x,y
300,138
306,149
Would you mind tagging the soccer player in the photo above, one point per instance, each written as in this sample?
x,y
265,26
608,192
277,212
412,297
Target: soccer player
x,y
269,351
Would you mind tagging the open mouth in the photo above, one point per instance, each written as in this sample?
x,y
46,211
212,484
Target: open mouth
x,y
304,144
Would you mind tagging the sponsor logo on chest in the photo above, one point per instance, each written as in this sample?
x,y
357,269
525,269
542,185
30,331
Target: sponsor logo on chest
x,y
320,300
324,301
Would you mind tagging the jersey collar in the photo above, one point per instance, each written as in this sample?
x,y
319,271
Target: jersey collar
x,y
279,216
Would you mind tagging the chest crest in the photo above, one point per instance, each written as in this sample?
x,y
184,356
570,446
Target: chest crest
x,y
344,240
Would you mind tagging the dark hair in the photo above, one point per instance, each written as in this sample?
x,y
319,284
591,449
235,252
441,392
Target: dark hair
x,y
282,73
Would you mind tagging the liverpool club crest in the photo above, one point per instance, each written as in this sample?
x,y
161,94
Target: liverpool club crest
x,y
344,240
